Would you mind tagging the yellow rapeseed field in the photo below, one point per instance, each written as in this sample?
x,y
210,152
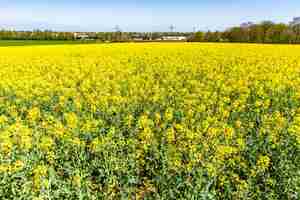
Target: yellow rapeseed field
x,y
150,121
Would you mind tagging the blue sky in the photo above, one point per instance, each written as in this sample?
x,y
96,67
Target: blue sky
x,y
142,15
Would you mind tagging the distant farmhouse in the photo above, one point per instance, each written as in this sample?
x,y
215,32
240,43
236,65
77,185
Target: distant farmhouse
x,y
174,38
137,37
81,36
296,21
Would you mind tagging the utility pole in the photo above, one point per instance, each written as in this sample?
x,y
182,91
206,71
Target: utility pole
x,y
194,29
118,33
117,28
172,28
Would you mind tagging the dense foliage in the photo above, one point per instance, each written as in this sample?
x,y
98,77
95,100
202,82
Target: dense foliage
x,y
35,35
265,32
150,121
100,36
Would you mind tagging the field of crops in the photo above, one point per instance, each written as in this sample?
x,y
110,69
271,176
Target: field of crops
x,y
5,43
150,121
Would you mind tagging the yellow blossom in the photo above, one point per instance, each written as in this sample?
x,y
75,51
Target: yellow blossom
x,y
71,119
34,114
18,165
46,143
263,163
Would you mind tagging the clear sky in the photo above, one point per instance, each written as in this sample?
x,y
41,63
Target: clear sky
x,y
141,15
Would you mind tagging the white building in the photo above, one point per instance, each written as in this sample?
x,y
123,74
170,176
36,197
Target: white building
x,y
81,36
174,38
137,39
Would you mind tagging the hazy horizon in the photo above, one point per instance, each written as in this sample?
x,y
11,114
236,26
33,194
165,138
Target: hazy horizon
x,y
142,16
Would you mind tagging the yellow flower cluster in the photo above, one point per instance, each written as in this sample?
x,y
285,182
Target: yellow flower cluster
x,y
263,163
13,167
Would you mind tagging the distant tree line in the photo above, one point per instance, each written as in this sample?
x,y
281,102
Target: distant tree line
x,y
264,32
35,35
102,36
